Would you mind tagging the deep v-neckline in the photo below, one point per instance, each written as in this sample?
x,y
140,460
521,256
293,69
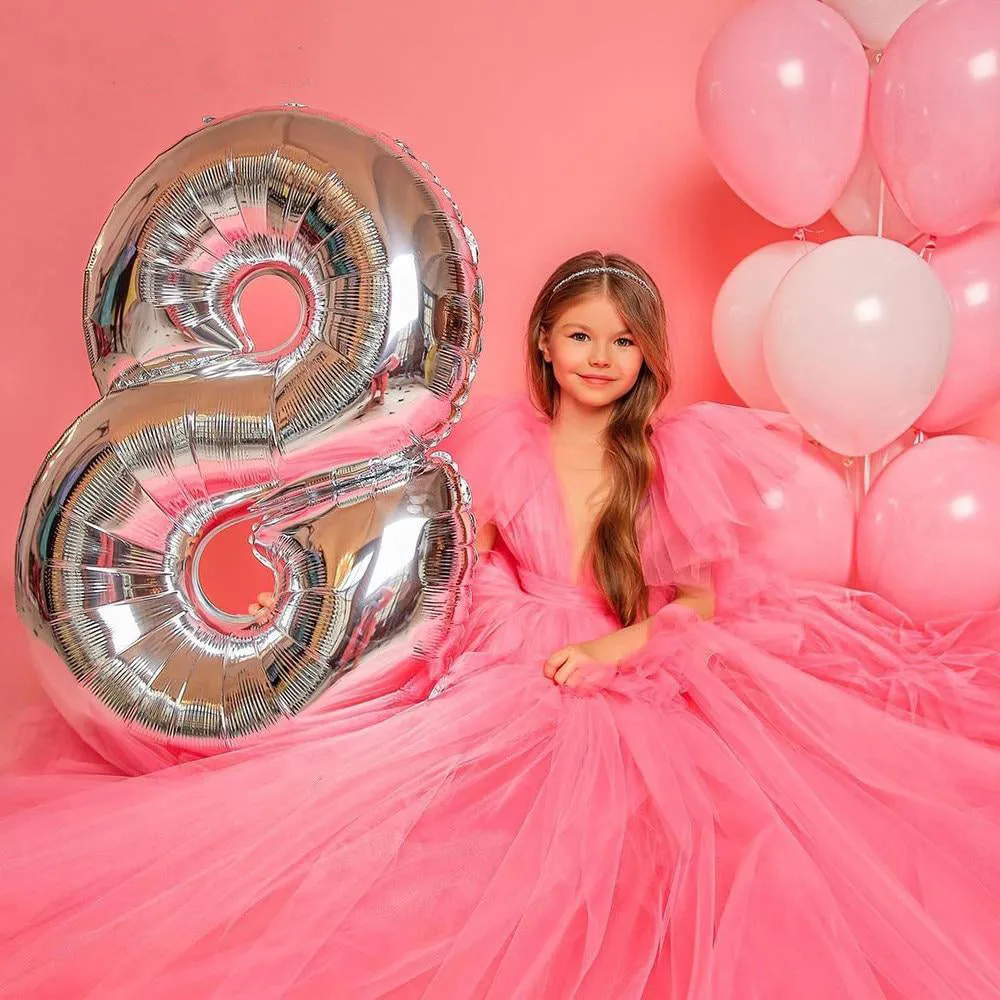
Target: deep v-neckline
x,y
577,574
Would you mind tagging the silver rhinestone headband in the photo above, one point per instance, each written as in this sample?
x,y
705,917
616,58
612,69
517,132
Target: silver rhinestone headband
x,y
620,271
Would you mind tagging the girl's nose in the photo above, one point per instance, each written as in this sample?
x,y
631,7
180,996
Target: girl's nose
x,y
599,356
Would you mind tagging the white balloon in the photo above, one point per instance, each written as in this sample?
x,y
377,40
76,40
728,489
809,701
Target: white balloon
x,y
875,21
857,209
856,341
738,319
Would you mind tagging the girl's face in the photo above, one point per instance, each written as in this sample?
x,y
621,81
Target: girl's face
x,y
594,357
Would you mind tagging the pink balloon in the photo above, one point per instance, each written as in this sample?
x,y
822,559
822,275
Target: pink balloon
x,y
866,206
858,476
875,21
929,531
969,269
781,96
934,117
867,196
856,341
738,319
857,209
808,522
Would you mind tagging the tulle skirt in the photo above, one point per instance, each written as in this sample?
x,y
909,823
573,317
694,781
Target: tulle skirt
x,y
778,804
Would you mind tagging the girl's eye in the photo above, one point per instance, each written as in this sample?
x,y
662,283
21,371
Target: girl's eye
x,y
578,335
625,342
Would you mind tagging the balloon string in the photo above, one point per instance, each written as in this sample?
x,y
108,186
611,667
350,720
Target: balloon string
x,y
881,205
857,476
804,232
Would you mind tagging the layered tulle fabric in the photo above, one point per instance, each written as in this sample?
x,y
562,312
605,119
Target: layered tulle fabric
x,y
716,463
799,799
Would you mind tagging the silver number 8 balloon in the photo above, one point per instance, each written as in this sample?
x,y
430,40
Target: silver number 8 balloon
x,y
324,445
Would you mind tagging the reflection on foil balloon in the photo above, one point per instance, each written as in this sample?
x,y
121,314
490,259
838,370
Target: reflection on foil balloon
x,y
325,441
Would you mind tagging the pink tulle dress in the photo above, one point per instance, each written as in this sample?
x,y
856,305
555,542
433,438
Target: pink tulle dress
x,y
798,800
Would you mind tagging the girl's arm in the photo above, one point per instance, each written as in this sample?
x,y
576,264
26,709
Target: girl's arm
x,y
486,536
690,605
701,600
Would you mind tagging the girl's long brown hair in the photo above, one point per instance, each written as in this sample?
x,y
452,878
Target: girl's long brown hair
x,y
614,546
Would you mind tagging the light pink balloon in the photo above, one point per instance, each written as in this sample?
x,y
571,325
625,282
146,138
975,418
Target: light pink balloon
x,y
875,21
858,479
969,268
857,209
929,531
856,341
808,522
781,94
738,319
934,115
866,206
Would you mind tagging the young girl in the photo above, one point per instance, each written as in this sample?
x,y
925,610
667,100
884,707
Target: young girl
x,y
647,767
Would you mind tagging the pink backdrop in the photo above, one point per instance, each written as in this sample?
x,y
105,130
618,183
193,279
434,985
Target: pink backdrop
x,y
559,126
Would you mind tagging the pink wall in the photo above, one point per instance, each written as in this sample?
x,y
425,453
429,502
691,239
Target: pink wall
x,y
558,125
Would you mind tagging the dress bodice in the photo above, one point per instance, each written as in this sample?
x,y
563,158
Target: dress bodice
x,y
714,463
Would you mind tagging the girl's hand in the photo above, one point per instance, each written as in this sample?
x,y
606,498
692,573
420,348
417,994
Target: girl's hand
x,y
575,666
585,660
588,662
263,608
594,662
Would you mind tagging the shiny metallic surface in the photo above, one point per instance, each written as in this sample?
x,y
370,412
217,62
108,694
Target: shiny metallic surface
x,y
323,446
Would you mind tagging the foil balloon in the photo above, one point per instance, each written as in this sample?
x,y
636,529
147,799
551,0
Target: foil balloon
x,y
325,444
